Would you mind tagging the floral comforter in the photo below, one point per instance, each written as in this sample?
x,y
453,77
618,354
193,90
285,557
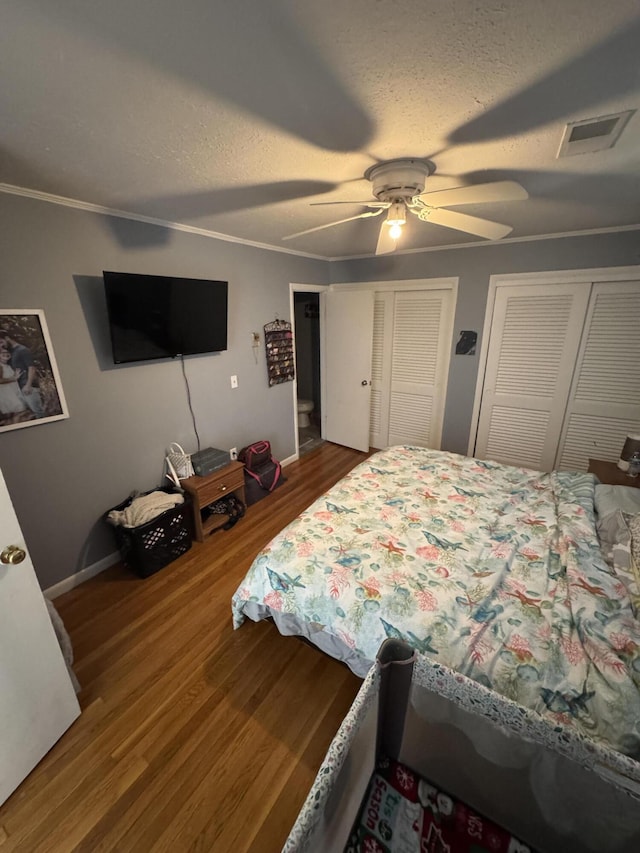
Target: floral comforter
x,y
492,570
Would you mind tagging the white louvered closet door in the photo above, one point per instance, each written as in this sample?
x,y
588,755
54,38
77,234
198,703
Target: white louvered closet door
x,y
604,401
412,337
535,335
420,324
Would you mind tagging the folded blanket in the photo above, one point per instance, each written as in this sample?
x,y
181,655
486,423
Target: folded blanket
x,y
144,509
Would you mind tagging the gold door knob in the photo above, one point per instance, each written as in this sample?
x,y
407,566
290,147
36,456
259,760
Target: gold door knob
x,y
12,555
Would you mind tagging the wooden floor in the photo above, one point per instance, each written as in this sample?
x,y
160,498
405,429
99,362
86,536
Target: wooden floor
x,y
193,736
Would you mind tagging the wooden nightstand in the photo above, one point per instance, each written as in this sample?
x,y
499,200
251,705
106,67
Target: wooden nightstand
x,y
608,472
206,490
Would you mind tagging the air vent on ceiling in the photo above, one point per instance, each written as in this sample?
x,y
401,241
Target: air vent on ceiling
x,y
593,134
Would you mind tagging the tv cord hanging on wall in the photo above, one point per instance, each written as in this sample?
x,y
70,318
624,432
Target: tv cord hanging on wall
x,y
193,417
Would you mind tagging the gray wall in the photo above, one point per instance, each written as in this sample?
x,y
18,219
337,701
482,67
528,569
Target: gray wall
x,y
474,266
62,476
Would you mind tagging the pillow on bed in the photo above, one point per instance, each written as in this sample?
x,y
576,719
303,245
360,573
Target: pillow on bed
x,y
609,498
633,523
615,538
619,535
617,512
617,515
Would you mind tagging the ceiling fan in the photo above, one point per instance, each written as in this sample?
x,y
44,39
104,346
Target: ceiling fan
x,y
398,187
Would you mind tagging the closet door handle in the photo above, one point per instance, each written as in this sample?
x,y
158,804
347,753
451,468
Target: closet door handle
x,y
12,555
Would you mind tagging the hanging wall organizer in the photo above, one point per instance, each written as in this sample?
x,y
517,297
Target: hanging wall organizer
x,y
279,346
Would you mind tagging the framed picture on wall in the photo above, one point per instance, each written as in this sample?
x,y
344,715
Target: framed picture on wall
x,y
30,388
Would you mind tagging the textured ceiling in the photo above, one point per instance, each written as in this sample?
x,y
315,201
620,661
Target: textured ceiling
x,y
233,117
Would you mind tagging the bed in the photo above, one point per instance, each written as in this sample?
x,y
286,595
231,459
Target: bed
x,y
492,571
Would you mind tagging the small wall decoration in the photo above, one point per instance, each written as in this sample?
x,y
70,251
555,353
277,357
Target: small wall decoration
x,y
467,343
278,340
30,388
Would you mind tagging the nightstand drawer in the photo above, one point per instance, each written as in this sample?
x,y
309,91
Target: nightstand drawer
x,y
219,487
205,490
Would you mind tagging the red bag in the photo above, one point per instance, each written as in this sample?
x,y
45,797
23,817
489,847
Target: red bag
x,y
255,455
260,464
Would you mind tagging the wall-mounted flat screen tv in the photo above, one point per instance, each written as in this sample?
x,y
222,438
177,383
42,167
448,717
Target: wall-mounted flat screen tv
x,y
156,316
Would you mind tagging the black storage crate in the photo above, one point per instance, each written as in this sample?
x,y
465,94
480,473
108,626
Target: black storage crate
x,y
150,547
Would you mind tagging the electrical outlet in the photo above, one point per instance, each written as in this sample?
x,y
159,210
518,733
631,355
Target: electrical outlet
x,y
233,454
234,381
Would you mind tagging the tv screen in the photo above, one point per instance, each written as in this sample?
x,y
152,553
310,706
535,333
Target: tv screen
x,y
155,316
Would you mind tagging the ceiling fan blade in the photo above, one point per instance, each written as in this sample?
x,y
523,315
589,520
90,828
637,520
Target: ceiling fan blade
x,y
464,222
386,242
478,194
364,215
185,207
281,78
382,204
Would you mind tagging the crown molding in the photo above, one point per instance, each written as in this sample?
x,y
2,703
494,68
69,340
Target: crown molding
x,y
89,207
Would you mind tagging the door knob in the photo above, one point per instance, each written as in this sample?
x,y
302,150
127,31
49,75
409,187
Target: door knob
x,y
12,555
364,382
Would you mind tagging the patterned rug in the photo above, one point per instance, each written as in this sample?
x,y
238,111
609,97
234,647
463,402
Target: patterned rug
x,y
402,813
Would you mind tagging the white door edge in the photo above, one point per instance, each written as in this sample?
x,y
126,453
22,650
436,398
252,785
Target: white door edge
x,y
348,333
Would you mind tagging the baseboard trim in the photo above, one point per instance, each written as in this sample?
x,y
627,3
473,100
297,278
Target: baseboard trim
x,y
83,575
289,460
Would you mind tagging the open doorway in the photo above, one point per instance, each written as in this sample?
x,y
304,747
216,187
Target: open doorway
x,y
307,345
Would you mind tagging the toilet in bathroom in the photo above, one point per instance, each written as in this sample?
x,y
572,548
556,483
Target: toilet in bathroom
x,y
305,407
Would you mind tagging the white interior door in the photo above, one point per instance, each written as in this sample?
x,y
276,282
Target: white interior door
x,y
604,402
37,700
347,318
535,335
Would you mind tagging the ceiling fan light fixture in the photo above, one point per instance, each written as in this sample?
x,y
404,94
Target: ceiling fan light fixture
x,y
398,185
396,218
397,214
